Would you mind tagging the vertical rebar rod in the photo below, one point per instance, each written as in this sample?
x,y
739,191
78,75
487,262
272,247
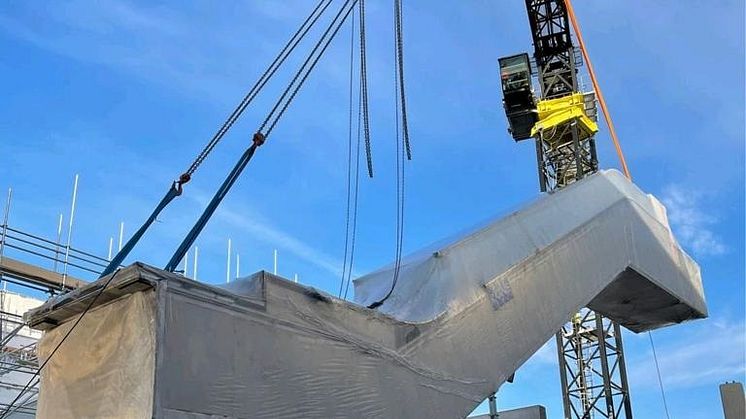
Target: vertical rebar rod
x,y
194,265
57,247
70,231
121,235
6,214
274,269
228,264
186,264
111,247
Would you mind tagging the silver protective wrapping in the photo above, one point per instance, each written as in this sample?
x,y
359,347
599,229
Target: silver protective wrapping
x,y
104,369
464,315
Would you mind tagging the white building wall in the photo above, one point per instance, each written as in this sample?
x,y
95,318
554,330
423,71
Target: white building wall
x,y
17,354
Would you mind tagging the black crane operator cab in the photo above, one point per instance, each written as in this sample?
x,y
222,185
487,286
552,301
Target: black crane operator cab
x,y
518,96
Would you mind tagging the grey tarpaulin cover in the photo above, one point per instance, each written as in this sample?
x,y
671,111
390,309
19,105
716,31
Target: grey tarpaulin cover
x,y
462,318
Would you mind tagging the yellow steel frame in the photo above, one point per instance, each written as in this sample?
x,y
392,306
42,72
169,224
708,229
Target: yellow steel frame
x,y
556,112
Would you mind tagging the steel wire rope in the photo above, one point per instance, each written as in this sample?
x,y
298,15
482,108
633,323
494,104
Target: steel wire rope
x,y
364,89
400,68
64,338
176,187
660,380
259,138
313,58
400,154
356,190
349,155
404,135
261,82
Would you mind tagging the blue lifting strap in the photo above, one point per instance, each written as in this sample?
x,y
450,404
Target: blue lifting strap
x,y
213,205
172,193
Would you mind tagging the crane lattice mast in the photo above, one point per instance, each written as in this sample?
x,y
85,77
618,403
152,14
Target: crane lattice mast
x,y
562,123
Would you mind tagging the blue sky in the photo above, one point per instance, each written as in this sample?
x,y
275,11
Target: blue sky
x,y
126,93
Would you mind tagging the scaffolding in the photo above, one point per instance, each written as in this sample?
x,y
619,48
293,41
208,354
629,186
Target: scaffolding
x,y
18,361
31,265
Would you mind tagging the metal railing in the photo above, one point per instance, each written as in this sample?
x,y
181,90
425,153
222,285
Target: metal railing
x,y
52,252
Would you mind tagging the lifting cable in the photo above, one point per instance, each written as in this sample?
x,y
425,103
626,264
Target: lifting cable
x,y
660,380
305,70
177,186
400,68
402,150
260,137
278,61
8,410
356,190
364,89
349,156
597,88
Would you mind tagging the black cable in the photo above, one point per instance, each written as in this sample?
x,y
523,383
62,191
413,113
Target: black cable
x,y
310,69
176,187
399,190
51,354
28,400
261,82
349,156
303,69
259,138
364,89
355,201
400,66
400,150
660,380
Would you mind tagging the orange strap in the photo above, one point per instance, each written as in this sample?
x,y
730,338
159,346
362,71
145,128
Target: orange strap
x,y
597,88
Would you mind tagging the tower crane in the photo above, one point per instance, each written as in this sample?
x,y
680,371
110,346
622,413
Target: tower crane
x,y
561,121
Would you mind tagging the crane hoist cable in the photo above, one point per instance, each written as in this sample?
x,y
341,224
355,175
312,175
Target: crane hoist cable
x,y
400,69
259,137
305,69
176,188
349,156
402,150
278,61
364,89
356,191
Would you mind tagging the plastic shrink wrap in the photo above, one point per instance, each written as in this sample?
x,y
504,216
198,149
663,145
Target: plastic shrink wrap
x,y
464,315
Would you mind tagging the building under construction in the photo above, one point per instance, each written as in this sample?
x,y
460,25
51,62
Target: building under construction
x,y
432,335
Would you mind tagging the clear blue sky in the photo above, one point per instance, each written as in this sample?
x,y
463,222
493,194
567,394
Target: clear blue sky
x,y
125,94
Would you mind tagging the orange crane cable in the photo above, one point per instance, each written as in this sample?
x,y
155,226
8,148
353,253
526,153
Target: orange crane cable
x,y
597,88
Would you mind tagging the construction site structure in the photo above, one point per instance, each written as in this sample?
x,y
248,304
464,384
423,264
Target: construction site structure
x,y
275,348
734,402
31,268
562,122
18,361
